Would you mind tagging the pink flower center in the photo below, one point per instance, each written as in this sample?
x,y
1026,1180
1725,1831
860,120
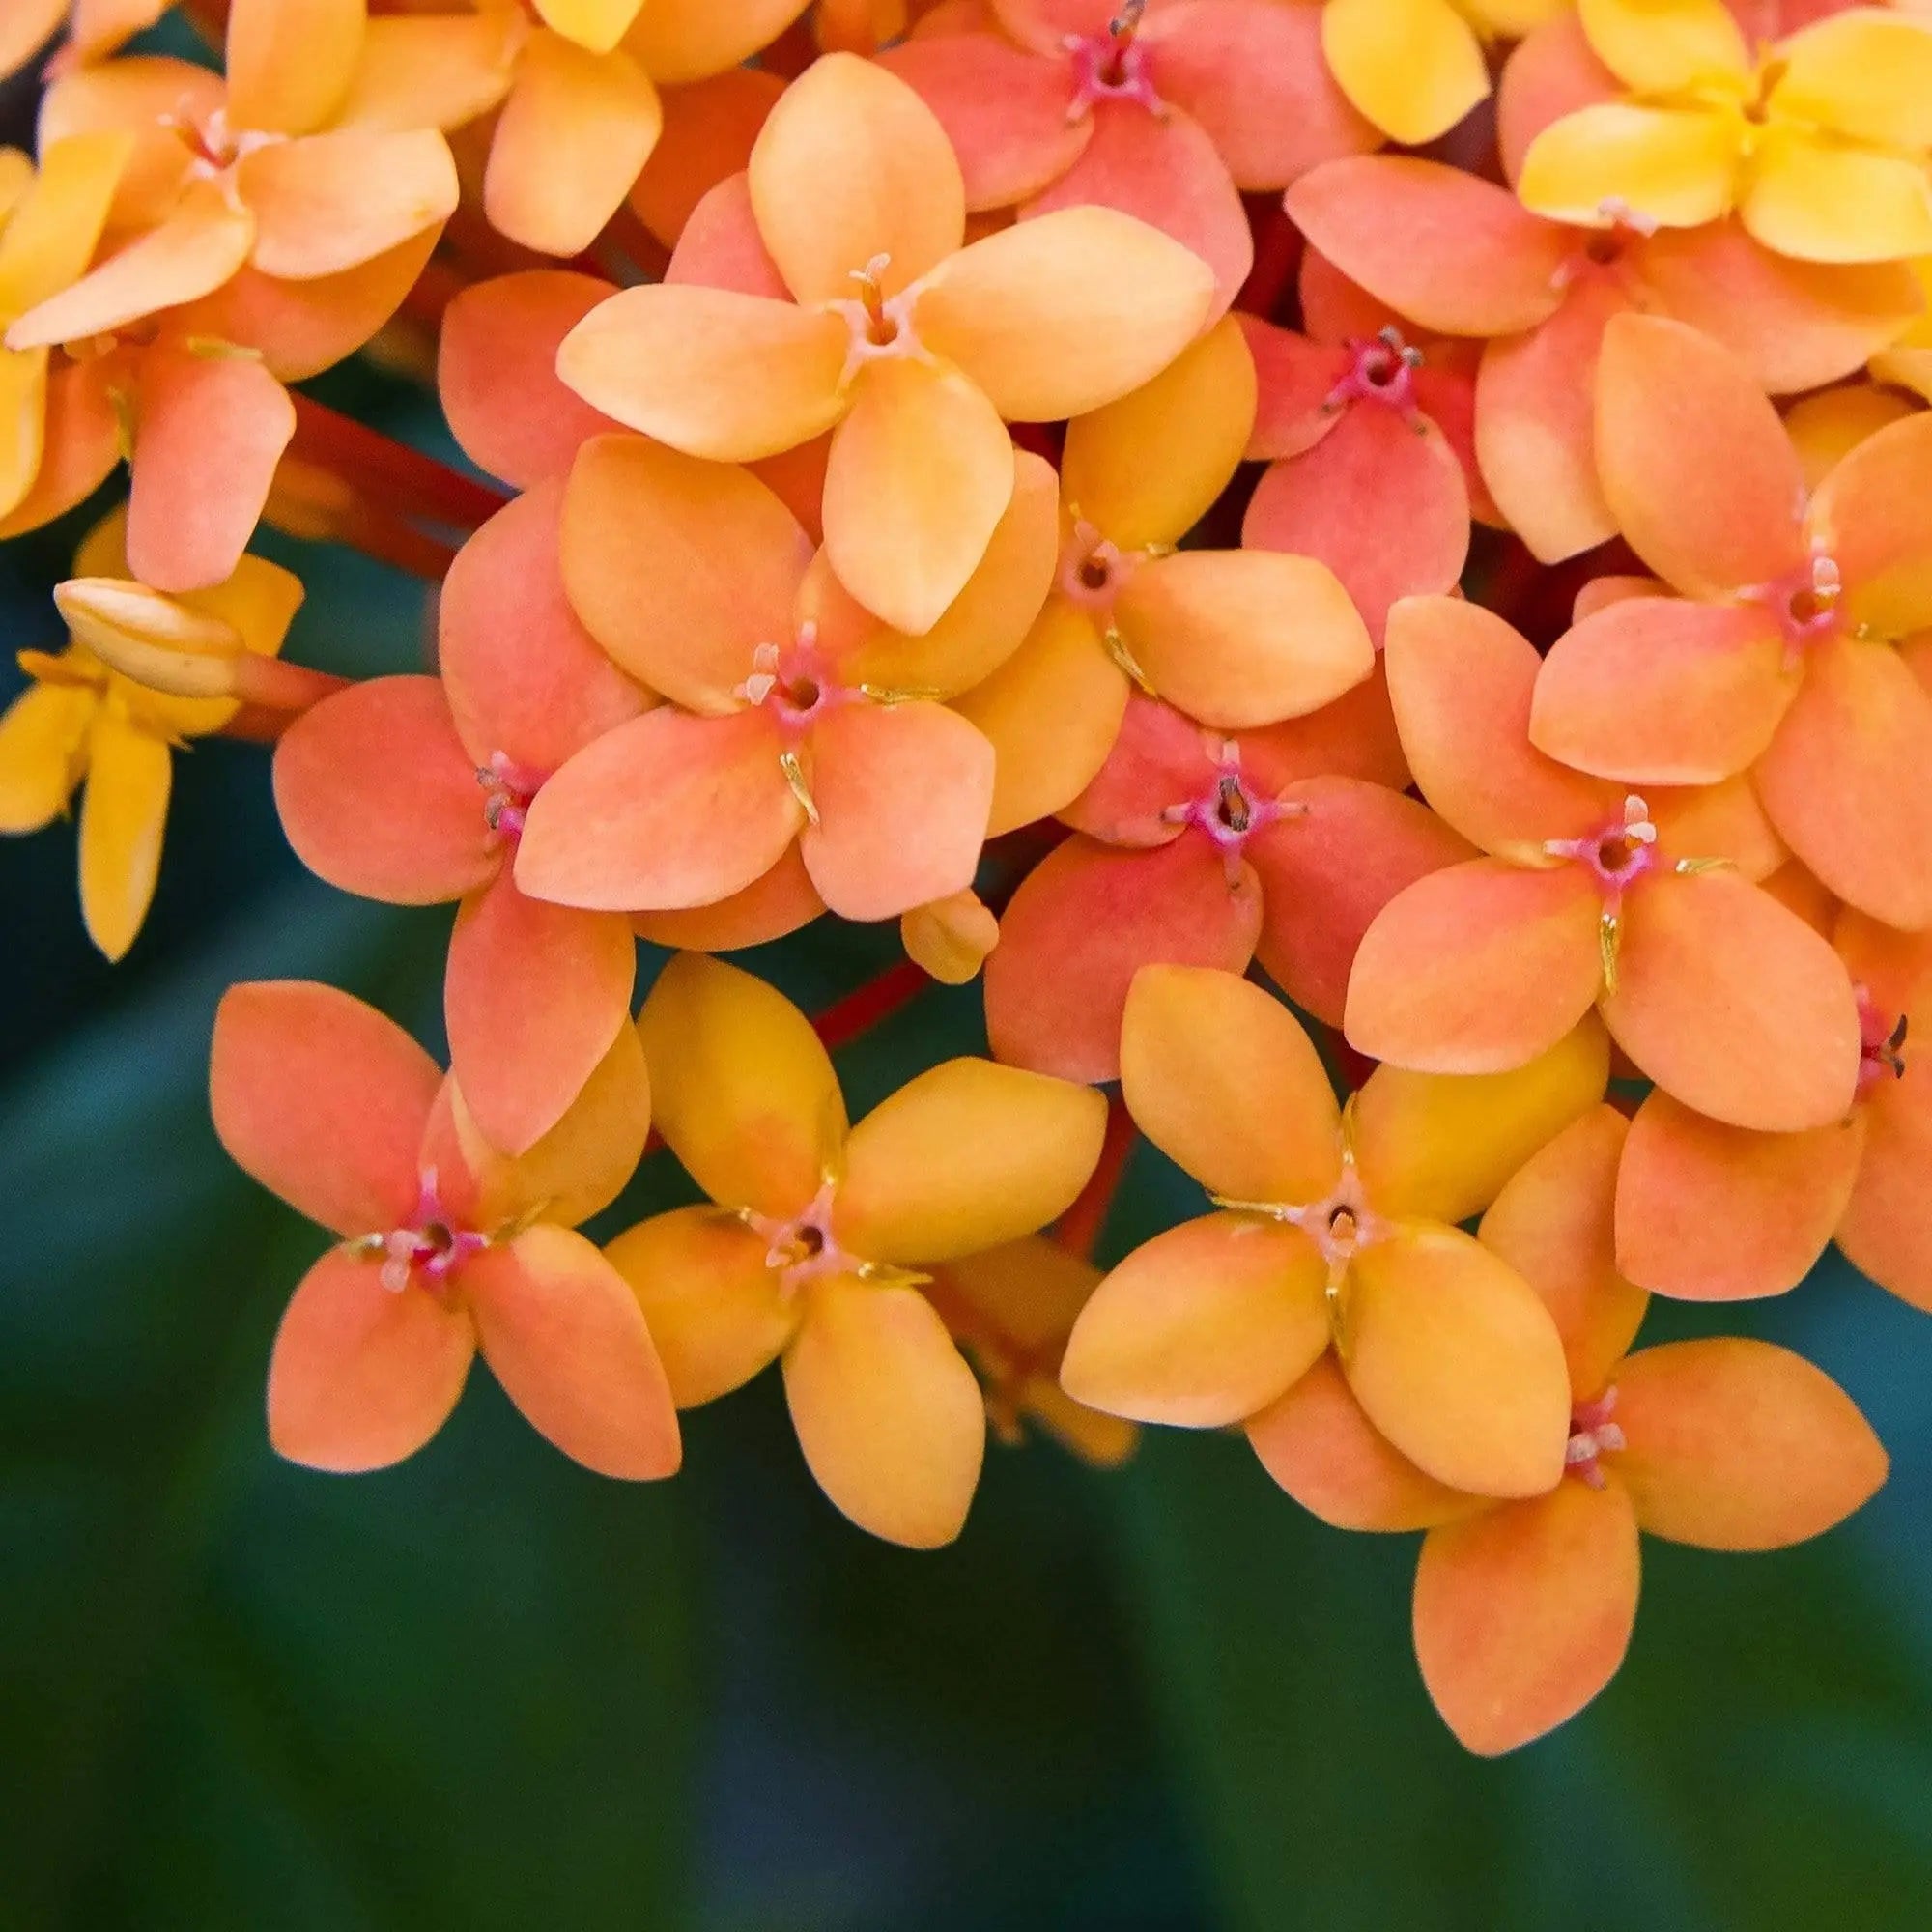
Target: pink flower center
x,y
215,146
802,1249
1227,811
1806,604
1093,571
1881,1044
1382,370
1592,1434
430,1249
1111,66
793,681
1618,855
507,791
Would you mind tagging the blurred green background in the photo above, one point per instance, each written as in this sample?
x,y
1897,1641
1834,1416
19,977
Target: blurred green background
x,y
489,1691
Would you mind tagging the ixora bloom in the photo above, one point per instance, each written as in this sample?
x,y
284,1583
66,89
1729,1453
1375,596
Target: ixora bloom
x,y
822,1238
795,716
1163,110
446,1246
416,789
1589,896
82,723
1458,255
914,347
1779,654
1199,847
1334,1232
1819,142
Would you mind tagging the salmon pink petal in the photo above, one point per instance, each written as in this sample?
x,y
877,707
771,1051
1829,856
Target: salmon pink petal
x,y
329,202
1554,1223
363,1377
1003,110
1476,968
1863,519
1296,378
741,1088
1224,1081
718,374
1660,690
1344,850
209,432
1552,73
522,674
901,794
1413,68
1058,315
963,1158
1461,681
1695,464
1455,254
1891,966
534,997
716,1307
1735,1444
1381,500
80,445
1084,920
1202,1326
668,810
378,796
721,246
1726,821
709,128
564,1335
1524,1614
323,1100
678,567
1887,1230
1456,1361
890,1417
1317,1443
851,165
771,907
1354,737
289,63
1733,1005
1161,755
1709,1212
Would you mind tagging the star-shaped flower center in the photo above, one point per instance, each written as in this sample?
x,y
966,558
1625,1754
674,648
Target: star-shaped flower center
x,y
1592,1434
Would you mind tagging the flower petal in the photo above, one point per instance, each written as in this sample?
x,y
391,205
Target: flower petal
x,y
1673,165
329,202
363,1377
289,62
1821,199
741,1088
1413,68
1553,72
1202,1326
771,907
1863,518
564,1335
1737,1444
123,813
689,40
1885,1229
709,128
44,738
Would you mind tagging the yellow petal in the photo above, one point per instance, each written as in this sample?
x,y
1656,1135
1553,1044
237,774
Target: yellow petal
x,y
43,745
1663,46
52,234
690,40
742,1091
122,814
1412,67
1865,74
596,24
289,62
23,412
1819,200
1676,166
964,1157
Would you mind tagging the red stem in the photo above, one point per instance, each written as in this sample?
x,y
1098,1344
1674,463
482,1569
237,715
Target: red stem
x,y
1079,1230
402,481
862,1009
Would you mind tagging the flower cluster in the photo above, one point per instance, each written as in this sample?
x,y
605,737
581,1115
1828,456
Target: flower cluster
x,y
1418,666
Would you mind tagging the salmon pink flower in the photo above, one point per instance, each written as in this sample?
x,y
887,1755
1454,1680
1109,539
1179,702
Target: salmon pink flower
x,y
446,1247
794,714
81,723
821,1238
1819,142
417,790
1589,896
1456,255
910,347
1204,848
1333,1232
1165,109
1779,653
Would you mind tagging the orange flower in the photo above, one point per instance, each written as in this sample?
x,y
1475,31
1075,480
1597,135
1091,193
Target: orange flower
x,y
817,1247
448,1246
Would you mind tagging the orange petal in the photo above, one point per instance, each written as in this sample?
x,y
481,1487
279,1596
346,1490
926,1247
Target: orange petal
x,y
1055,317
678,567
741,1088
321,1100
363,1377
1733,1005
1660,690
1708,1212
378,796
434,71
1224,1081
1161,755
1553,1222
1476,968
1735,1444
1317,1443
888,1415
719,374
328,202
1726,821
901,793
709,127
1456,1362
1862,519
80,445
720,248
1553,72
1885,1229
1524,1614
1202,1326
964,1157
1354,737
129,97
564,1335
1461,681
666,811
689,40
1084,921
771,907
289,62
1695,464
